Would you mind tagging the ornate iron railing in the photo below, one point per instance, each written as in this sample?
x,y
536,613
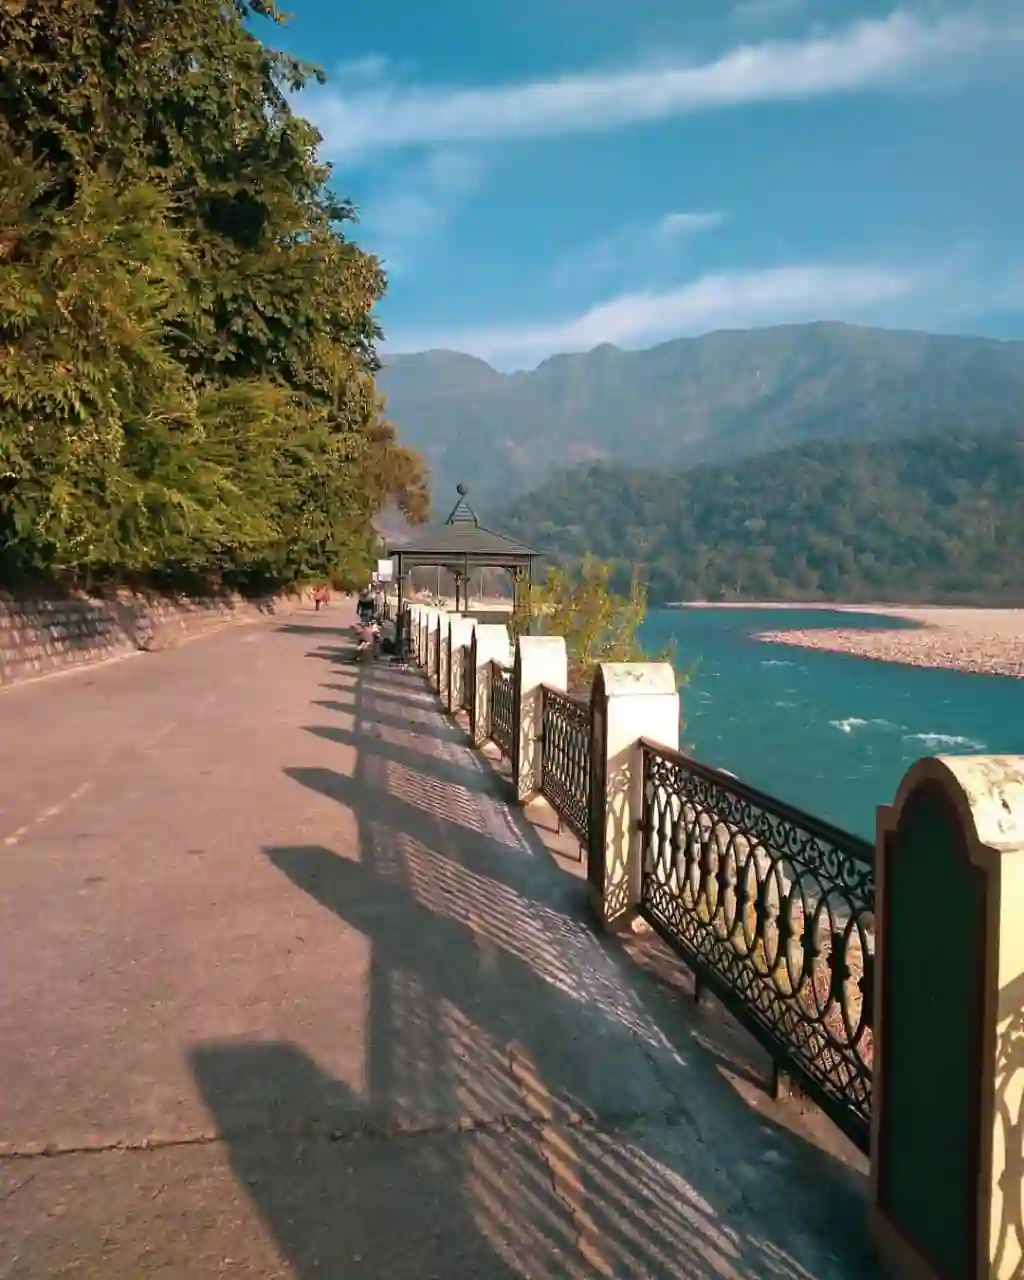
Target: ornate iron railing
x,y
467,677
773,911
565,758
503,708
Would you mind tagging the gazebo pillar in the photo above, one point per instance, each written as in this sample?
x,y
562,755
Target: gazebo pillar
x,y
521,575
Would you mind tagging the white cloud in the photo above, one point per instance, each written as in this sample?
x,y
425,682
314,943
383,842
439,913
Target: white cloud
x,y
412,208
635,251
724,300
674,225
368,113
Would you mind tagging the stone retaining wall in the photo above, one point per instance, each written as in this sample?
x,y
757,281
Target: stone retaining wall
x,y
39,636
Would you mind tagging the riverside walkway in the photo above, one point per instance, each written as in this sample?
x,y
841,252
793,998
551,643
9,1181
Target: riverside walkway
x,y
287,988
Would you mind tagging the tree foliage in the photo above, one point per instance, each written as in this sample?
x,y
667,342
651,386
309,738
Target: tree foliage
x,y
935,518
187,334
599,623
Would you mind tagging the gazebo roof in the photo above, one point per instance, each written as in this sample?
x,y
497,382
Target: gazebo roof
x,y
462,540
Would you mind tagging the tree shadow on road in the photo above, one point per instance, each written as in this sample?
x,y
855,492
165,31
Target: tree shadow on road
x,y
533,1106
341,1196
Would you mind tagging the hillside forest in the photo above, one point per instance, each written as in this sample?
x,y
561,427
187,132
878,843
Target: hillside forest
x,y
932,518
187,388
690,402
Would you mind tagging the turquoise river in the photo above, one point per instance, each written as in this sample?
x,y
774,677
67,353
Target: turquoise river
x,y
830,733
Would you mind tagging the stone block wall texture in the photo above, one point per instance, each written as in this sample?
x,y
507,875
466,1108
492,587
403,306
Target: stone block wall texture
x,y
40,636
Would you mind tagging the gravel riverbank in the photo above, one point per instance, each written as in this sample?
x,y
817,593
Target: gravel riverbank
x,y
983,641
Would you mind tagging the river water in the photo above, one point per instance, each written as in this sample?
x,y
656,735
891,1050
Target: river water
x,y
830,733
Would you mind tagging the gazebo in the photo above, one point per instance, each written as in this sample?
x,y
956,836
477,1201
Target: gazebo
x,y
461,545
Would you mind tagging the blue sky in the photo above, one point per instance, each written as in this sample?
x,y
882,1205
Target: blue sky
x,y
547,175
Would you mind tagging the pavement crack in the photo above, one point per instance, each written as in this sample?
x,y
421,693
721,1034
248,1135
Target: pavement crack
x,y
100,1146
13,1191
561,1156
400,1128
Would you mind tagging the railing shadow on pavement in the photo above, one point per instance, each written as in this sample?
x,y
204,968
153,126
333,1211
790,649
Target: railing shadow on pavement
x,y
411,719
748,1065
539,1110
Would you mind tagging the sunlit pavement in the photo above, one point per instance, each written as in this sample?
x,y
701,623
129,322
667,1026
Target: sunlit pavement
x,y
289,989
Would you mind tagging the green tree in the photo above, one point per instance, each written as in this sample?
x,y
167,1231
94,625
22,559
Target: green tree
x,y
599,623
188,332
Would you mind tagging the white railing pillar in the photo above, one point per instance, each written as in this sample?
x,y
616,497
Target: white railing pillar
x,y
539,660
414,632
629,701
947,1062
490,644
461,636
444,654
433,645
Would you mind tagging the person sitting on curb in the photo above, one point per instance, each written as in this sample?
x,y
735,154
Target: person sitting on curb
x,y
369,639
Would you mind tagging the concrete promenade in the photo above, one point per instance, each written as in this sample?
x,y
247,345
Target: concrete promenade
x,y
287,988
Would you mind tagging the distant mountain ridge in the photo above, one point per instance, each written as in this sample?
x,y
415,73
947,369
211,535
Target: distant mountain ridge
x,y
691,401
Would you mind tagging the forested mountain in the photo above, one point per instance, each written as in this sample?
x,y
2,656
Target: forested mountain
x,y
933,518
717,398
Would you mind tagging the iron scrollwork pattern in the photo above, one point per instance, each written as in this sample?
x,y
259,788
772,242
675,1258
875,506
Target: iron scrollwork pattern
x,y
565,759
503,708
773,910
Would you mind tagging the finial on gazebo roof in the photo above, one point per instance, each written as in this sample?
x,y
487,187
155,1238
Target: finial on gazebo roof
x,y
462,512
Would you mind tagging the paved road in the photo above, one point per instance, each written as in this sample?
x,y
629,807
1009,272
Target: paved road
x,y
288,989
